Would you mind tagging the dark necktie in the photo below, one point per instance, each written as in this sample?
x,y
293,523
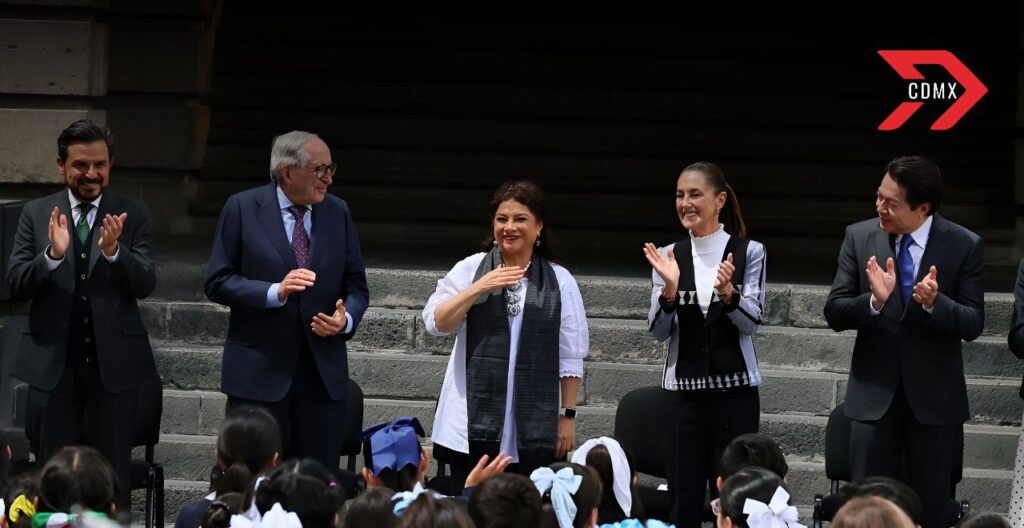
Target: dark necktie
x,y
300,240
906,268
83,221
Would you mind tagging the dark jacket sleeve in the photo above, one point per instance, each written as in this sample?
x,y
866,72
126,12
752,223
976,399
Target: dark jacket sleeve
x,y
224,282
133,271
27,272
963,312
355,293
846,307
1016,337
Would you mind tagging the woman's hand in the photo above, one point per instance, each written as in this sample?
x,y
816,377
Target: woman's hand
x,y
667,268
498,278
723,283
566,440
484,471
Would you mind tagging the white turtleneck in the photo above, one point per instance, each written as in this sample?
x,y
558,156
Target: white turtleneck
x,y
707,255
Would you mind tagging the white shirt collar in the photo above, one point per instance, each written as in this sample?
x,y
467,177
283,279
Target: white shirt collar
x,y
284,202
75,201
920,235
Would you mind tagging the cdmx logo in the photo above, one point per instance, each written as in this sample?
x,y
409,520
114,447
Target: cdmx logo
x,y
919,91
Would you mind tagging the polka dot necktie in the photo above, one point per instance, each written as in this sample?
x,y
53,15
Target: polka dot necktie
x,y
300,240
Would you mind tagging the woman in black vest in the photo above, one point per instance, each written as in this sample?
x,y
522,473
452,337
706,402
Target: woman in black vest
x,y
521,336
707,301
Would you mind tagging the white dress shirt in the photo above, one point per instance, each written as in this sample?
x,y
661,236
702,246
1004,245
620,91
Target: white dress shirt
x,y
916,249
451,419
289,227
76,214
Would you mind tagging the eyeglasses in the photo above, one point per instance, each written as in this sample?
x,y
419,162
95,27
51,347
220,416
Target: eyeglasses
x,y
716,507
321,170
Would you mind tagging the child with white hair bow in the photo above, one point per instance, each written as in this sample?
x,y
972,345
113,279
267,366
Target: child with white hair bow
x,y
755,498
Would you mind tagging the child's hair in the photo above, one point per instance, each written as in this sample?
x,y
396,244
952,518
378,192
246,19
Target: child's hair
x,y
372,508
983,520
506,500
248,439
609,511
586,498
869,512
404,479
77,476
428,512
26,484
304,487
218,513
887,488
752,450
748,483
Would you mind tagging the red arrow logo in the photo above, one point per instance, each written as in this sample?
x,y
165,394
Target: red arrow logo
x,y
903,61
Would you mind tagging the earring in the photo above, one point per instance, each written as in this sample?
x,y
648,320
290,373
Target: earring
x,y
538,242
495,242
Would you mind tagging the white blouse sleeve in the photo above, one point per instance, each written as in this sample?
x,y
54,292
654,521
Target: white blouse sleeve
x,y
748,314
660,323
573,336
459,278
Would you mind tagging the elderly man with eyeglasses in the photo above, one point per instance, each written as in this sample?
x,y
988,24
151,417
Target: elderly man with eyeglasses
x,y
286,260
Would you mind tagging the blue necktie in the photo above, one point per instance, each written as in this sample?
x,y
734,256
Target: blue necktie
x,y
905,267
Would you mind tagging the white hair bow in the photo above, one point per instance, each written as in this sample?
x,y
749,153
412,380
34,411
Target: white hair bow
x,y
277,517
622,476
777,514
563,485
405,498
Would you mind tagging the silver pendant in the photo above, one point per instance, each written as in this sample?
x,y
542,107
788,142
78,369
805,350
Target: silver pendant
x,y
513,310
514,287
511,297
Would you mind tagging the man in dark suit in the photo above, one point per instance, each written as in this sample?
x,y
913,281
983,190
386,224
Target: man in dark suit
x,y
84,258
906,396
287,255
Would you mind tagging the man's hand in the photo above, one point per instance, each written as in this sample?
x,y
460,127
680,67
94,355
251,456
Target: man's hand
x,y
295,281
927,290
325,326
881,281
110,232
484,471
58,234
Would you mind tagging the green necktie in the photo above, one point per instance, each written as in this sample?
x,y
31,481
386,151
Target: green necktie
x,y
83,221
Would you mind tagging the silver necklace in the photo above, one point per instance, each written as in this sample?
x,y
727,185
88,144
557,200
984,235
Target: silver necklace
x,y
512,296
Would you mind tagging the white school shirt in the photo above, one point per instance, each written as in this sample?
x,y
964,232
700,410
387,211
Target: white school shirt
x,y
451,419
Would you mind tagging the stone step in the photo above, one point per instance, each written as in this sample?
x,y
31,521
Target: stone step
x,y
611,340
188,455
604,297
416,376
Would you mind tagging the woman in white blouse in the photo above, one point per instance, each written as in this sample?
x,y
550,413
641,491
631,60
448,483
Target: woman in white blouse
x,y
707,300
521,336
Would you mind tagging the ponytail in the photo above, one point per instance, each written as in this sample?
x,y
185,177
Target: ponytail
x,y
730,215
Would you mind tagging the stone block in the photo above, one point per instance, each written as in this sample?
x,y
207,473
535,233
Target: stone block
x,y
53,57
211,412
397,375
615,297
777,302
28,140
181,412
183,125
794,392
990,447
201,323
189,368
401,288
425,342
807,306
626,341
385,330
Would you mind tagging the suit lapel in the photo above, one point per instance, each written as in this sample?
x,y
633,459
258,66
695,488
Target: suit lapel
x,y
273,226
321,224
108,205
882,248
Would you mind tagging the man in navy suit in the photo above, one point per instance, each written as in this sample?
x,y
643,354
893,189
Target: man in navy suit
x,y
906,397
286,260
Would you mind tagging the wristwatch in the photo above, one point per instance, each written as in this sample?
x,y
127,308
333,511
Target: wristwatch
x,y
568,412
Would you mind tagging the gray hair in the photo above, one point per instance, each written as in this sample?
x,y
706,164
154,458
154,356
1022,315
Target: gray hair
x,y
288,150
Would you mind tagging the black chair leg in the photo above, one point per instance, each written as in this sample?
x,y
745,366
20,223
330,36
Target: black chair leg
x,y
159,517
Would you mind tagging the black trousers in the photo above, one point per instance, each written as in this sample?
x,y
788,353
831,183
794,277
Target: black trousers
x,y
926,457
312,424
462,463
701,424
79,411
